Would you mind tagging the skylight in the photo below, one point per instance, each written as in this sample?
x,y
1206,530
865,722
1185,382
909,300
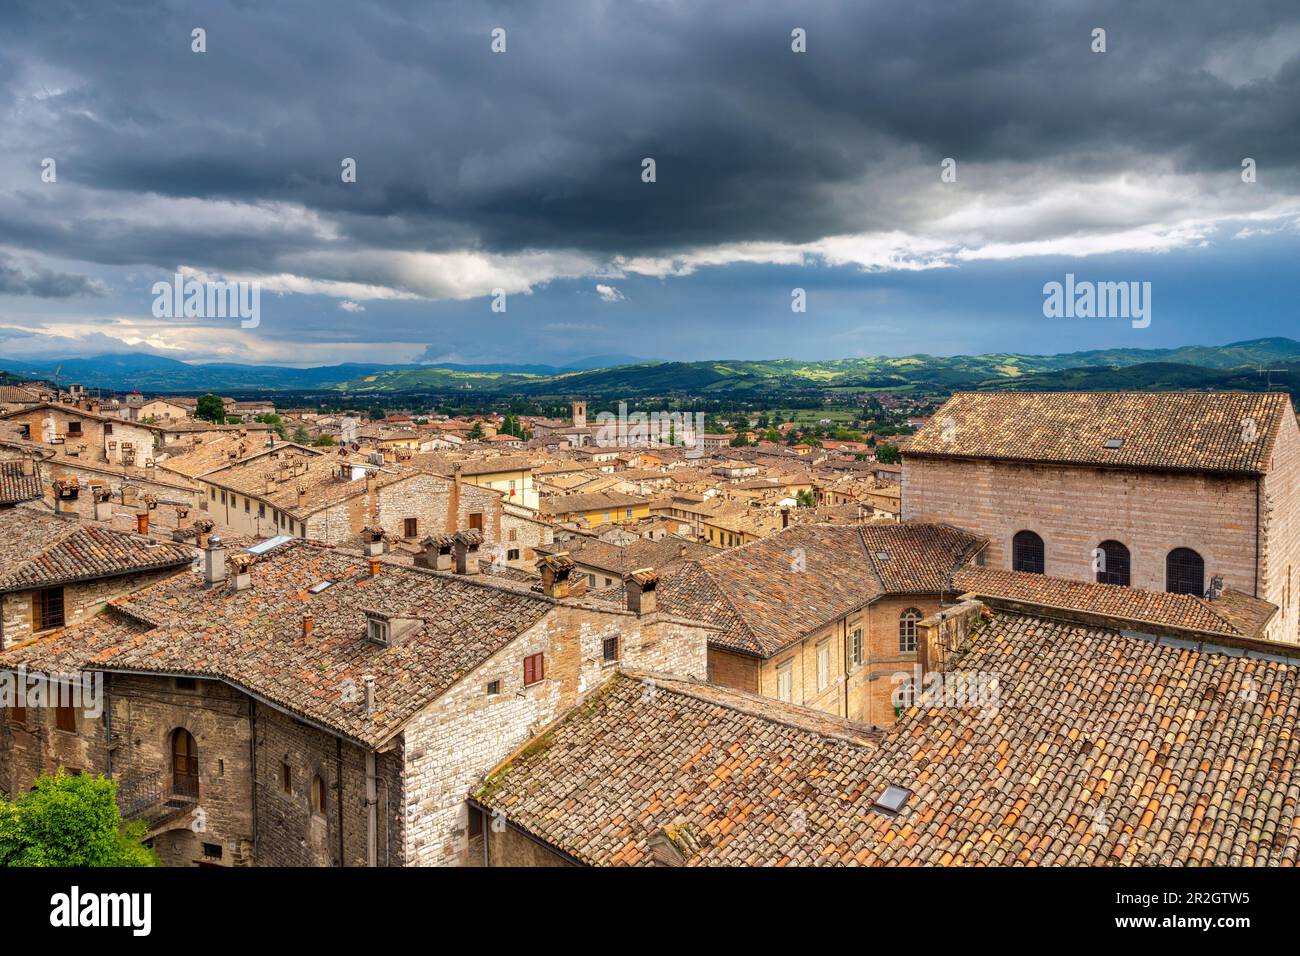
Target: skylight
x,y
317,588
1114,443
270,544
882,555
892,800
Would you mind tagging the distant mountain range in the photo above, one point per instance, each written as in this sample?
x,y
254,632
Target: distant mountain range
x,y
1234,366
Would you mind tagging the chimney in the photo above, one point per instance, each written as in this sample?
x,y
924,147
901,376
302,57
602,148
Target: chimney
x,y
214,555
66,491
202,532
373,538
465,550
103,504
557,581
27,467
640,586
785,517
308,623
142,522
368,680
437,552
374,567
302,497
129,494
242,562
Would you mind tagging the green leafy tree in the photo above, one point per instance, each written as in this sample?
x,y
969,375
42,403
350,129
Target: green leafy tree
x,y
476,433
740,441
68,820
806,498
888,454
210,408
300,435
324,441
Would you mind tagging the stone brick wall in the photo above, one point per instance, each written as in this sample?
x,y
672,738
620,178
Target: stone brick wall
x,y
289,831
80,601
456,741
1280,550
1075,509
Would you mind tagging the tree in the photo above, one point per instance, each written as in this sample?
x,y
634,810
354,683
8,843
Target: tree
x,y
300,435
806,498
324,441
68,820
740,441
888,454
476,433
210,408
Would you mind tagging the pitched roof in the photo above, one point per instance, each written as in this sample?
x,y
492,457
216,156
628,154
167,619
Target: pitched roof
x,y
770,593
1197,431
253,639
665,554
15,486
40,550
1100,749
595,501
1233,613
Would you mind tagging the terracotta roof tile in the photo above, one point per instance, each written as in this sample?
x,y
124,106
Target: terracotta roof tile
x,y
1199,431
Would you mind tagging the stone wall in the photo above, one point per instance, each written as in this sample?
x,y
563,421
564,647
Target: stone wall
x,y
1075,509
81,600
468,731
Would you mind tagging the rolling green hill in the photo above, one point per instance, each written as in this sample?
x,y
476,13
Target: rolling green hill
x,y
1196,367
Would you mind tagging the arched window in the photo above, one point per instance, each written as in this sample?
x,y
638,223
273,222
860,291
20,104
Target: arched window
x,y
185,764
1028,553
1184,572
1112,562
907,629
318,795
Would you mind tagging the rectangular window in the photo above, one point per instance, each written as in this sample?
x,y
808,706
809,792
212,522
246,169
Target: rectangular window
x,y
261,510
534,668
785,684
476,521
855,646
65,718
49,608
512,554
823,665
108,428
286,777
410,527
493,688
610,649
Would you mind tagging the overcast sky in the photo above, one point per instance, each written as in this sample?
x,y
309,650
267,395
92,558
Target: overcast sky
x,y
522,171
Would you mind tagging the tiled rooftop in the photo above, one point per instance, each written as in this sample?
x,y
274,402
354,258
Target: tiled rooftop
x,y
769,594
1103,749
254,638
42,550
1233,613
15,486
1199,431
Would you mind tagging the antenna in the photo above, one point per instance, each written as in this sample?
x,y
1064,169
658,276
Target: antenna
x,y
1268,387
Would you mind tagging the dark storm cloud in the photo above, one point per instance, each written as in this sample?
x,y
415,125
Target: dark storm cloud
x,y
16,279
541,147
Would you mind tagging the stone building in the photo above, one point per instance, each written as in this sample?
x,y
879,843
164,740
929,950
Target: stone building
x,y
297,704
1061,724
56,572
823,616
300,492
1179,491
